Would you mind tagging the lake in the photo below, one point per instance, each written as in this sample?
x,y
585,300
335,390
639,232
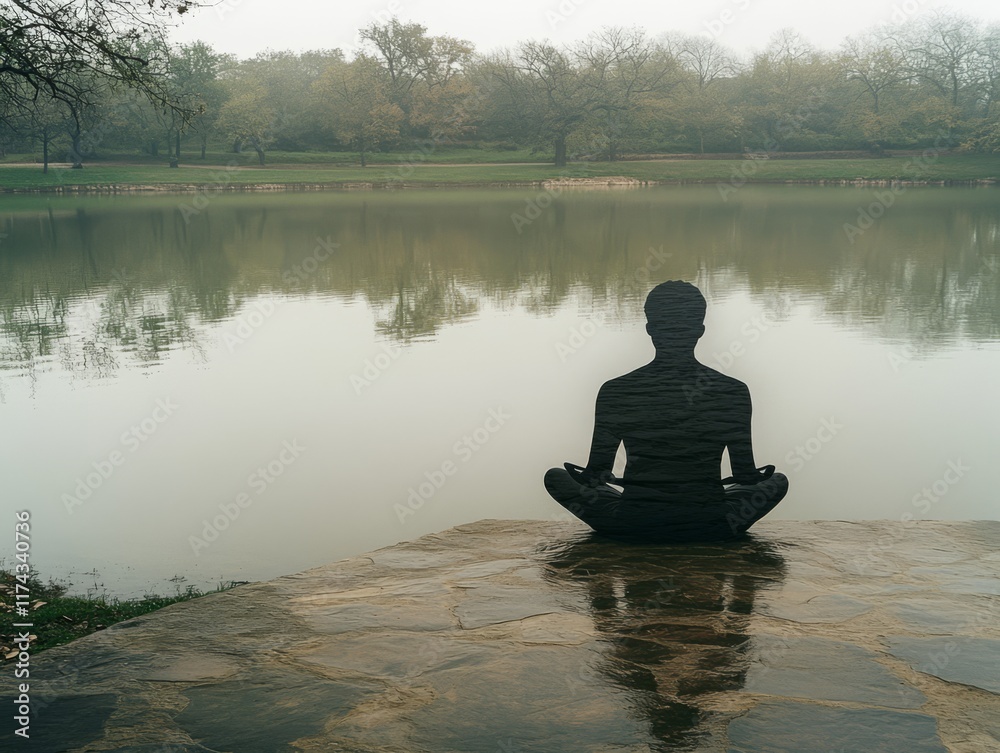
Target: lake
x,y
234,387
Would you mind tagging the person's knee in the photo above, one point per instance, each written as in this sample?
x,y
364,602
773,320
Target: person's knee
x,y
779,483
559,483
554,476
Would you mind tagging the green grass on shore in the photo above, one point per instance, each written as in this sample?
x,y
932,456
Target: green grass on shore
x,y
57,619
951,167
248,158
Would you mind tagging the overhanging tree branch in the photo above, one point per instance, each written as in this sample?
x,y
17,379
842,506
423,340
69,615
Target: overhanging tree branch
x,y
47,47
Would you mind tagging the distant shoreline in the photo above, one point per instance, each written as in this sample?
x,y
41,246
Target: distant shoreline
x,y
598,184
931,169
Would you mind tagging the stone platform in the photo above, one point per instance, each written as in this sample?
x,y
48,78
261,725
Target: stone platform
x,y
532,637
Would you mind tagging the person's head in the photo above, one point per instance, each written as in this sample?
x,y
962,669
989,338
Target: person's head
x,y
675,315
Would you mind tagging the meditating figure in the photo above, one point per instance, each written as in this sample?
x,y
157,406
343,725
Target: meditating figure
x,y
675,417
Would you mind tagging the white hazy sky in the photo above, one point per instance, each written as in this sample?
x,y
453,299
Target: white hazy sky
x,y
245,27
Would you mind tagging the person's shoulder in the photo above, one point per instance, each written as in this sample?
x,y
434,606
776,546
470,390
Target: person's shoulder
x,y
724,381
618,383
623,385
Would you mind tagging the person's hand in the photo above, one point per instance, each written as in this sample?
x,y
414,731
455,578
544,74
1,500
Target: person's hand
x,y
588,476
760,474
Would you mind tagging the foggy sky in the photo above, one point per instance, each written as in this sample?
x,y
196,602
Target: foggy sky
x,y
246,27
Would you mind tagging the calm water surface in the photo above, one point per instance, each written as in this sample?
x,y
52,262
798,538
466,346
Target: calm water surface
x,y
343,371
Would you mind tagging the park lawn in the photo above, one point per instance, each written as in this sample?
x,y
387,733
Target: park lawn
x,y
961,167
215,157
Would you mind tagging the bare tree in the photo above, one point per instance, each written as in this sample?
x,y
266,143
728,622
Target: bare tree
x,y
629,71
708,60
875,65
945,51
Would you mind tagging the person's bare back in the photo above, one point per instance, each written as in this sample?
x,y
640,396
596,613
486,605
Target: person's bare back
x,y
674,432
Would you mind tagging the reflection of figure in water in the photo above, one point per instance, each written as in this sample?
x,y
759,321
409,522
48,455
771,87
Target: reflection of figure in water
x,y
675,624
675,417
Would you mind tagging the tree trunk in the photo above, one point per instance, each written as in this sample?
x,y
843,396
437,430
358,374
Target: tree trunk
x,y
238,146
77,157
177,150
203,149
260,155
561,150
154,148
45,151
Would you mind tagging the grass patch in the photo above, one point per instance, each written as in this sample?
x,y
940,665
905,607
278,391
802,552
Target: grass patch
x,y
59,619
417,155
951,167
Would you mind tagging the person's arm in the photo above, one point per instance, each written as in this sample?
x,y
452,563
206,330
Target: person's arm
x,y
740,444
604,445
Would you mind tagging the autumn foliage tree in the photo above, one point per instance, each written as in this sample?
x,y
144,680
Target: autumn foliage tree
x,y
356,100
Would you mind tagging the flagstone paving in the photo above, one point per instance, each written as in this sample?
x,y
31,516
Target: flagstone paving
x,y
535,637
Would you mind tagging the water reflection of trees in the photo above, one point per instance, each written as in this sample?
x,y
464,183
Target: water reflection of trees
x,y
132,279
425,300
94,334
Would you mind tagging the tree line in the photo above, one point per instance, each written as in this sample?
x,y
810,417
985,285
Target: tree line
x,y
621,92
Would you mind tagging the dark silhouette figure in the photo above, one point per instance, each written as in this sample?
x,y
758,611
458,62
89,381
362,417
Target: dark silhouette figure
x,y
675,417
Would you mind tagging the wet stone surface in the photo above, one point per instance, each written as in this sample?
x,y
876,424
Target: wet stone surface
x,y
796,727
535,637
822,669
964,659
819,607
288,705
